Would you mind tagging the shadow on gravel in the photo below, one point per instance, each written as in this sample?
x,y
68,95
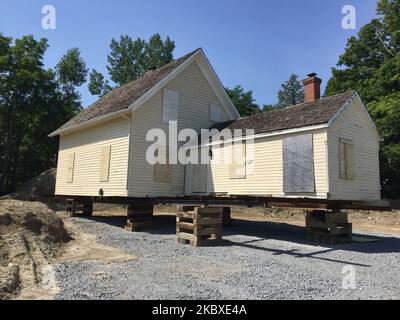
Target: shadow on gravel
x,y
260,231
115,221
296,234
161,224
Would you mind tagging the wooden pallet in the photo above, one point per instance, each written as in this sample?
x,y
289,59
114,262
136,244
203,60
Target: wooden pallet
x,y
328,227
79,208
199,227
139,217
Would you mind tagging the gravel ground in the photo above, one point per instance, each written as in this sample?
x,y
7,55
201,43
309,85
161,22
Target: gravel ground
x,y
258,260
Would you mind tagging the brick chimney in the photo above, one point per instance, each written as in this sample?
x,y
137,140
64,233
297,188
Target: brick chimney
x,y
312,88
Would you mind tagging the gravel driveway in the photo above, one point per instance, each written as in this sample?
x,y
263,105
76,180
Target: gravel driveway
x,y
257,260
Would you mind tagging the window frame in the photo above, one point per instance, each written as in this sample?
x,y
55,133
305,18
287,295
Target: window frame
x,y
105,163
346,159
70,167
159,167
212,108
170,99
233,166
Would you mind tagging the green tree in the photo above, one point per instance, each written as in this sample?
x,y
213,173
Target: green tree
x,y
371,65
98,86
33,102
129,59
158,52
71,70
390,16
291,92
243,101
267,107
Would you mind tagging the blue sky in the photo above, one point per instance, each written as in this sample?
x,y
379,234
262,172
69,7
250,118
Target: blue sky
x,y
257,44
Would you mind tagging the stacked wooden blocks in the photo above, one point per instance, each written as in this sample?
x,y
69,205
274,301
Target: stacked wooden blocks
x,y
140,217
200,226
227,218
82,207
328,227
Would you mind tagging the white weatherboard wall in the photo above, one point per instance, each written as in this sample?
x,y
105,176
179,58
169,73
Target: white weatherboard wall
x,y
87,145
195,97
267,175
353,124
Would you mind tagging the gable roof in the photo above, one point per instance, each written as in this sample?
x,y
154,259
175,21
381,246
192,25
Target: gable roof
x,y
122,98
298,116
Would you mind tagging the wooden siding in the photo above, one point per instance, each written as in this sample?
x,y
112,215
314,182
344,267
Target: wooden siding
x,y
87,146
266,177
195,97
353,124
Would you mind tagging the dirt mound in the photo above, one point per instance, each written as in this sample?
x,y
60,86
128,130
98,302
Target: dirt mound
x,y
41,186
31,236
41,189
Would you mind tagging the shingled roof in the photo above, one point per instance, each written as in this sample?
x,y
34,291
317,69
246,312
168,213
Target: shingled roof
x,y
297,116
121,98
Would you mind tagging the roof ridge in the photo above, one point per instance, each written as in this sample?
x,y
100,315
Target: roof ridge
x,y
120,98
323,98
276,109
147,73
307,114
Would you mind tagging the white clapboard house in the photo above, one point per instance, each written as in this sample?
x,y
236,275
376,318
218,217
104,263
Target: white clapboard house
x,y
322,148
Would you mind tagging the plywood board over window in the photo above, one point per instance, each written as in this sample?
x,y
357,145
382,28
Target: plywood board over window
x,y
199,178
105,163
215,113
70,167
170,110
298,164
163,171
237,167
346,162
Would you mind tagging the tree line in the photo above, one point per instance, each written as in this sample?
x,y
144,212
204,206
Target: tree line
x,y
371,65
35,100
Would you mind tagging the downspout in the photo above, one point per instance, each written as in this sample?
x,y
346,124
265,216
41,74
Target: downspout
x,y
130,152
328,195
184,179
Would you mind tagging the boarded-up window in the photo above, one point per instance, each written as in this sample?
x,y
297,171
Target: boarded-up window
x,y
105,163
199,183
70,167
298,164
346,159
237,167
215,113
170,105
163,171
